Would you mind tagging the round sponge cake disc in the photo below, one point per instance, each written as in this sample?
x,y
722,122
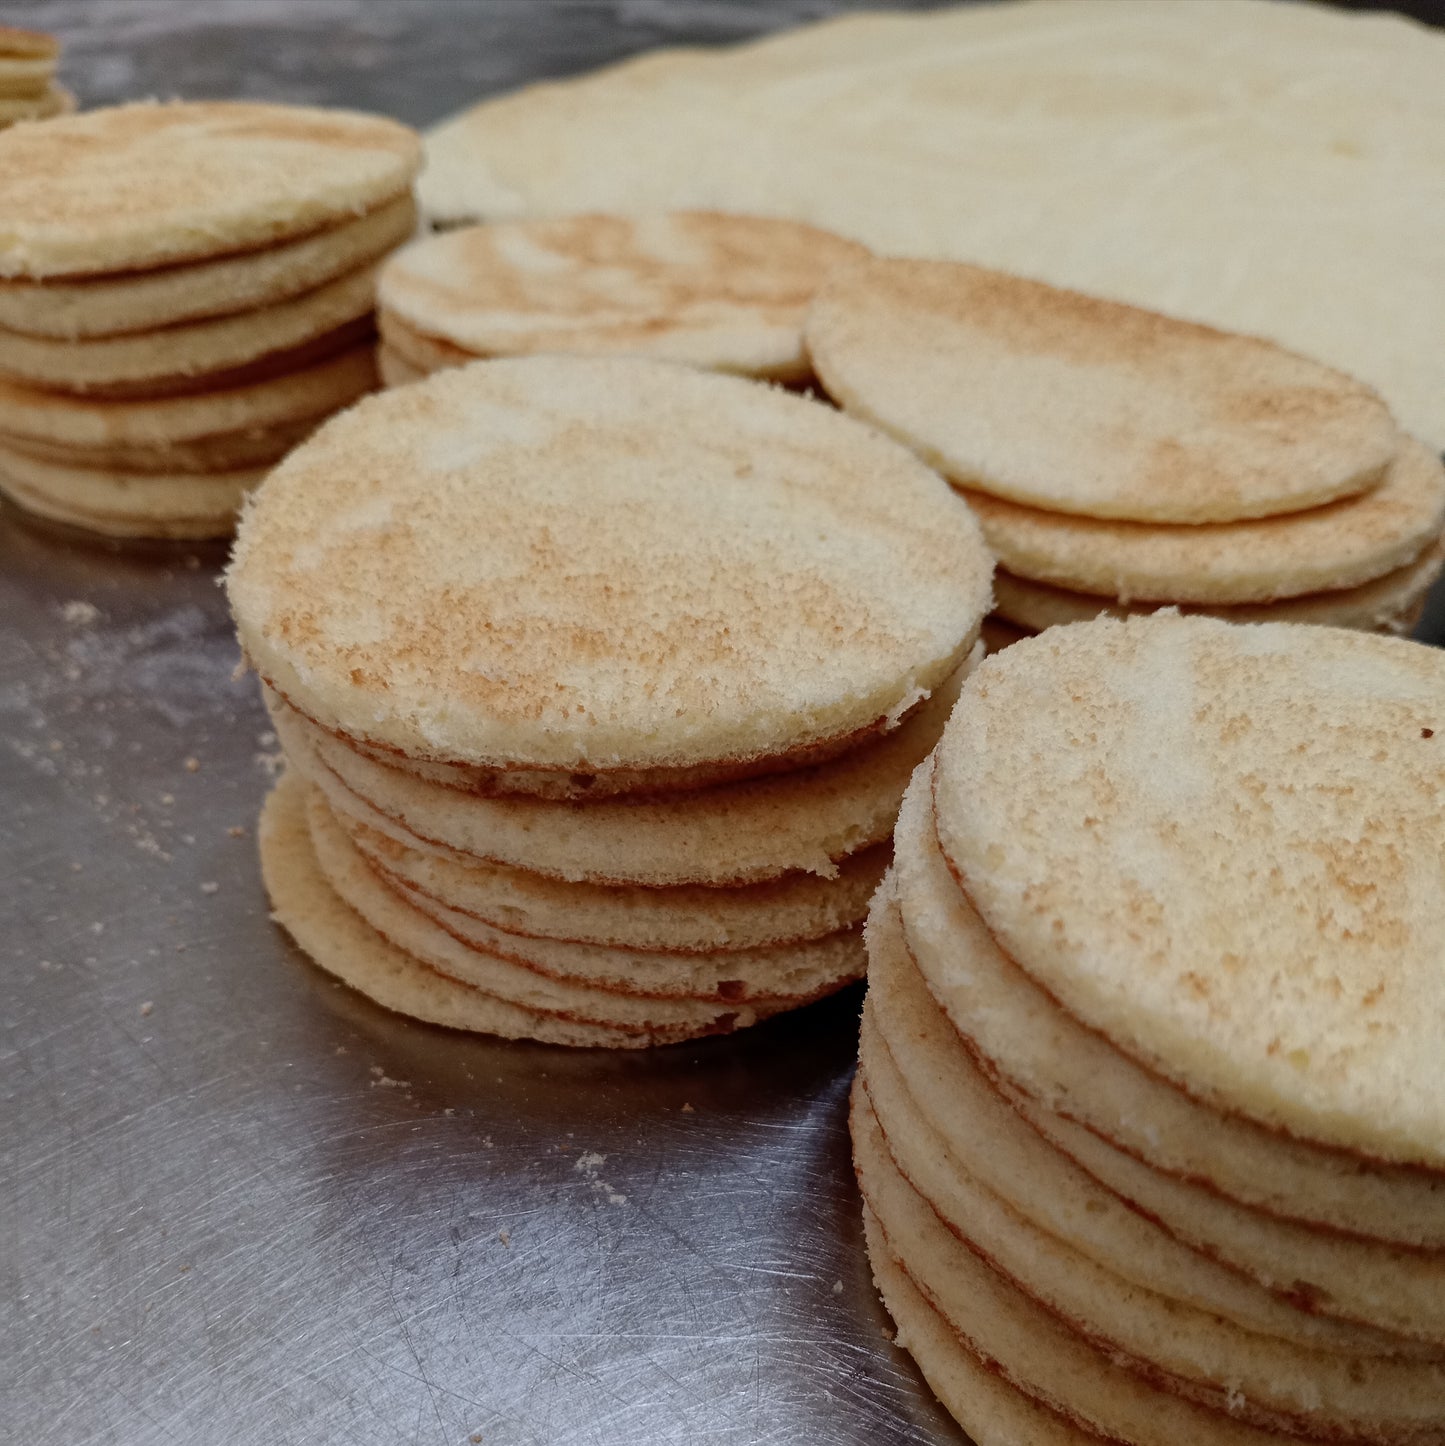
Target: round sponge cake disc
x,y
54,100
1221,847
1072,404
604,985
116,427
1188,1352
674,921
142,301
1025,1342
1388,604
17,46
912,1052
137,186
563,562
1342,545
345,945
977,1395
136,498
579,982
1031,1048
139,361
23,76
725,292
741,833
121,505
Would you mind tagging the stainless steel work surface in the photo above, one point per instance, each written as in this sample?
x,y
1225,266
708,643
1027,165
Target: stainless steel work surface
x,y
239,1204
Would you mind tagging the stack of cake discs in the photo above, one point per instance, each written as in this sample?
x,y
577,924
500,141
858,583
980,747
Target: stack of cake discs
x,y
723,292
186,290
28,91
599,682
1119,460
1150,1119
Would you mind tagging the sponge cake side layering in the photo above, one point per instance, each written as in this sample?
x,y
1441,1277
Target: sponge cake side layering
x,y
186,290
1149,1121
1119,460
600,682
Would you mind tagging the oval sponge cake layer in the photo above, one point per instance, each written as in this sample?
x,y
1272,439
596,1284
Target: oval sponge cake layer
x,y
153,359
579,982
259,447
117,428
1386,1287
1344,544
1271,1383
976,1395
739,833
22,77
146,185
719,291
341,942
27,45
1024,1041
564,562
570,785
1221,848
138,495
1073,404
678,920
145,300
1031,1347
117,505
1388,604
910,1042
53,101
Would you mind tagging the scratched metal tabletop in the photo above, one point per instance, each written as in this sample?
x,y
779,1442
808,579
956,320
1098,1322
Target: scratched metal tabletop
x,y
237,1202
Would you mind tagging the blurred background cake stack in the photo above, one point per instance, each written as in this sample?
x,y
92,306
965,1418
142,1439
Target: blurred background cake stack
x,y
186,290
599,682
722,292
1149,1124
1119,460
28,88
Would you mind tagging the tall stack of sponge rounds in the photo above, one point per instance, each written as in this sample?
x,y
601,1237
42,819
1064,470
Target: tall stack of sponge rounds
x,y
599,682
1149,1123
186,291
1120,461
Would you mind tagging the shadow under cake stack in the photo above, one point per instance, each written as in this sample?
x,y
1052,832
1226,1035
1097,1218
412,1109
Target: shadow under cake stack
x,y
599,683
28,90
1150,1120
1120,461
186,291
723,292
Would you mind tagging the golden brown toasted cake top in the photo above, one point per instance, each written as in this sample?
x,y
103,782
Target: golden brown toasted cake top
x,y
1224,848
144,185
721,291
1069,403
559,561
